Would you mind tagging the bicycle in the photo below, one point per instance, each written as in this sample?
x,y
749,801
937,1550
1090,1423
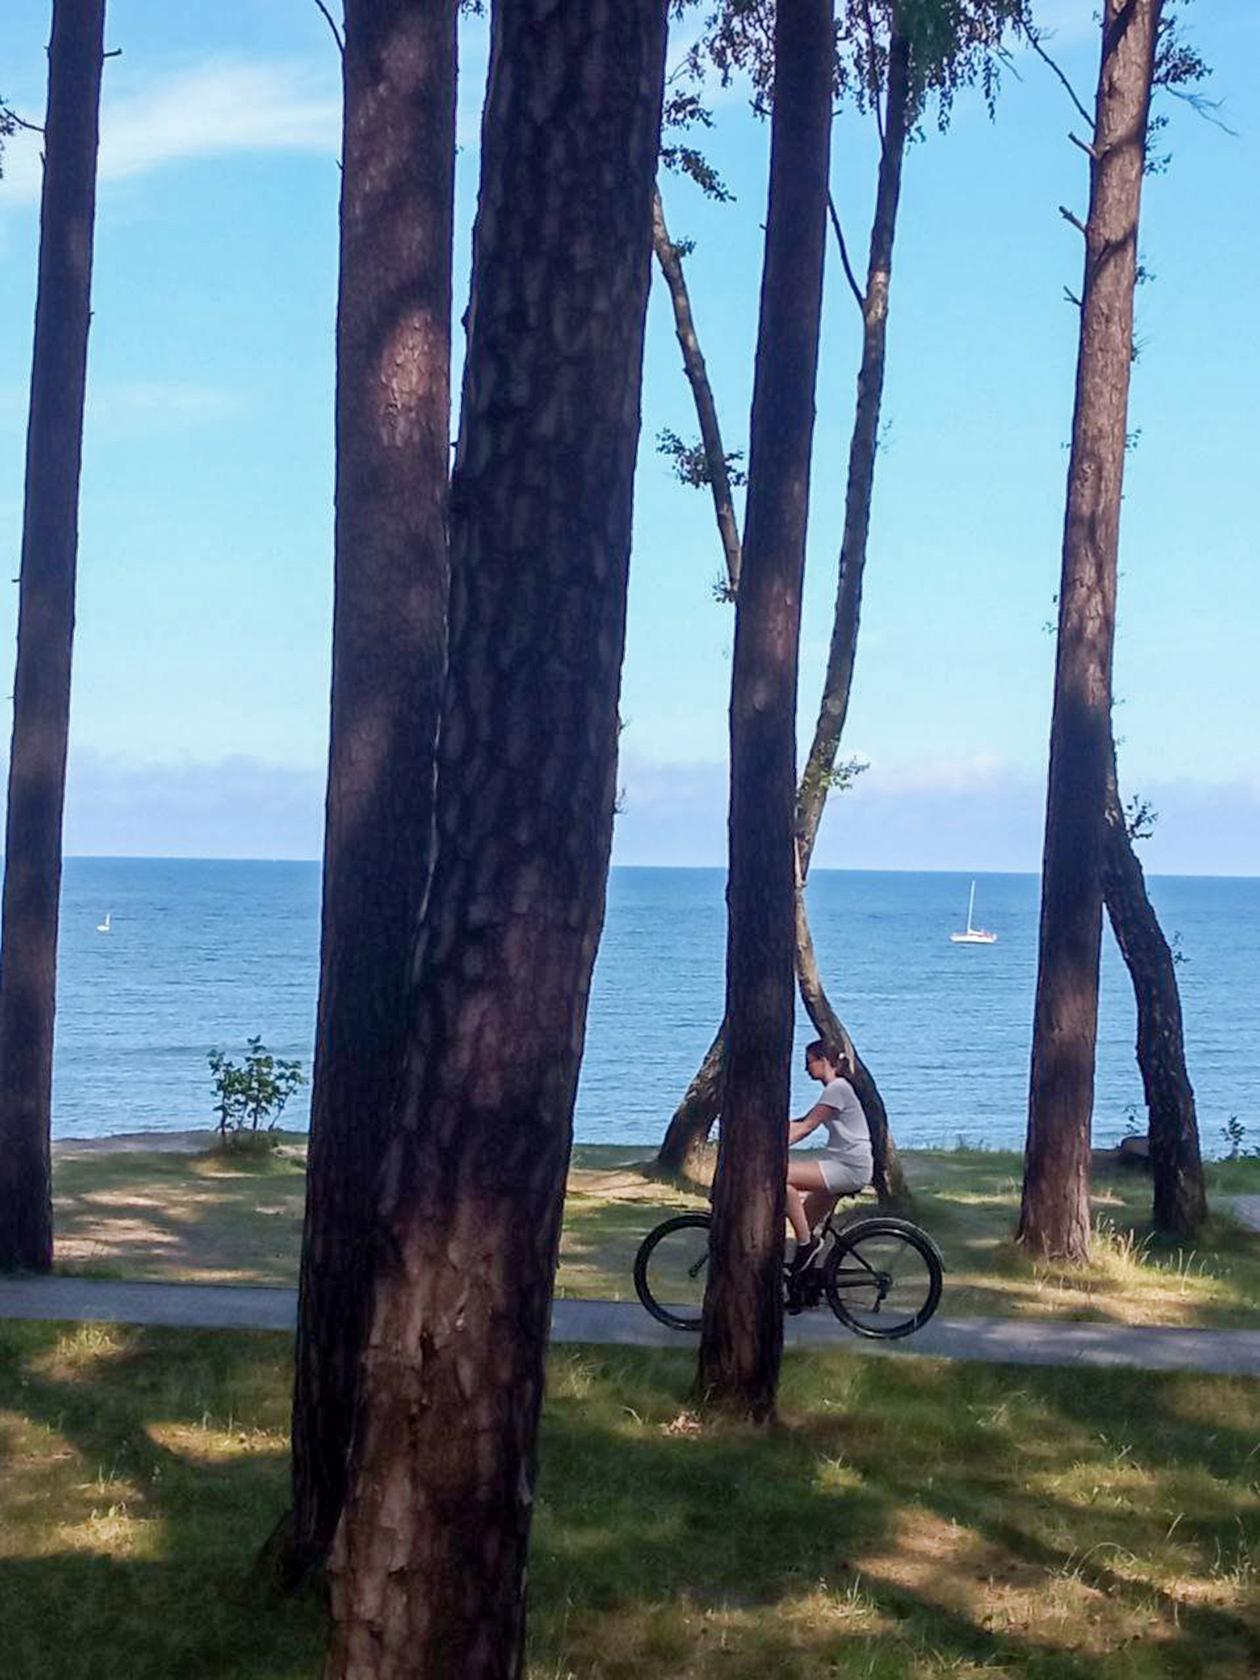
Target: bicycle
x,y
881,1276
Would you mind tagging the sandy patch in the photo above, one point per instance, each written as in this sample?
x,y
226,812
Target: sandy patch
x,y
174,1143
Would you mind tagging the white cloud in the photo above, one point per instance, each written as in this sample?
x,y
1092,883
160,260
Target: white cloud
x,y
129,408
921,817
231,807
972,773
206,110
976,813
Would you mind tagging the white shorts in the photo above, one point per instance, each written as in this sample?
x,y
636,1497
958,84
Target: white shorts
x,y
842,1177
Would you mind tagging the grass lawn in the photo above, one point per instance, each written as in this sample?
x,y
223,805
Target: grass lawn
x,y
199,1217
910,1519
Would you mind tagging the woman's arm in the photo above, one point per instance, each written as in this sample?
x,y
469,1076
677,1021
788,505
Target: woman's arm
x,y
798,1129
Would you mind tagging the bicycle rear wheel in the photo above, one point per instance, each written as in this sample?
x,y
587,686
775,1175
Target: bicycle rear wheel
x,y
883,1278
671,1269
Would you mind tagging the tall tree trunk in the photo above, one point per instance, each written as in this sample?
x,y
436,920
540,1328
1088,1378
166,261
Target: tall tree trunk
x,y
1054,1218
428,1567
863,448
695,1115
393,443
741,1341
41,694
1176,1164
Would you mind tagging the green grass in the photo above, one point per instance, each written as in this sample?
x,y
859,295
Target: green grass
x,y
210,1219
911,1518
969,1200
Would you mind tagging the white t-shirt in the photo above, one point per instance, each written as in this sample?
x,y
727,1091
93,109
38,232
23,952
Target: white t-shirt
x,y
848,1135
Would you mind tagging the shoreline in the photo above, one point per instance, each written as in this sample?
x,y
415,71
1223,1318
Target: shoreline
x,y
199,1141
181,1142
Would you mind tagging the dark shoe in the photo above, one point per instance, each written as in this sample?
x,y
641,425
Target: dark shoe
x,y
804,1255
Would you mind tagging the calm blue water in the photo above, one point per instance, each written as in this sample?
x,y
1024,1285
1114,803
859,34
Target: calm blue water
x,y
207,953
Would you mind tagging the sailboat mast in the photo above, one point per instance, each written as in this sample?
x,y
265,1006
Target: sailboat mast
x,y
971,904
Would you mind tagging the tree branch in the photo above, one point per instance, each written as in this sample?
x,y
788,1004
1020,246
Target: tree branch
x,y
1205,108
669,258
331,22
1075,220
871,48
1034,41
844,254
1091,151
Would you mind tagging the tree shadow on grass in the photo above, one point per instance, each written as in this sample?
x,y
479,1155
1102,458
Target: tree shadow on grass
x,y
168,1216
163,1457
908,1518
906,1530
1085,1477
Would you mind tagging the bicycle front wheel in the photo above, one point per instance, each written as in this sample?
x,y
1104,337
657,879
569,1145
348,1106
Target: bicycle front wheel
x,y
883,1278
671,1269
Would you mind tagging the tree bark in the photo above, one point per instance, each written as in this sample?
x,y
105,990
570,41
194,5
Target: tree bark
x,y
695,1115
693,1119
702,392
863,448
393,451
427,1571
41,694
741,1340
1054,1219
1176,1164
888,1176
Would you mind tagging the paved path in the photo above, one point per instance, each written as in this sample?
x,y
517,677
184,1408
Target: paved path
x,y
999,1340
1247,1211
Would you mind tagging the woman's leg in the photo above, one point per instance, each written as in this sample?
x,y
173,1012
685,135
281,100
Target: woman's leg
x,y
804,1184
797,1217
818,1204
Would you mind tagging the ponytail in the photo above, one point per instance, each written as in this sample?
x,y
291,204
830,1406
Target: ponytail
x,y
840,1059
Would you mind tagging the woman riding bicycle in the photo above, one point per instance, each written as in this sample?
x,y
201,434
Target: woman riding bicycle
x,y
844,1164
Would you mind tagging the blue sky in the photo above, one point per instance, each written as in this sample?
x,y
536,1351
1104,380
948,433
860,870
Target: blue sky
x,y
202,651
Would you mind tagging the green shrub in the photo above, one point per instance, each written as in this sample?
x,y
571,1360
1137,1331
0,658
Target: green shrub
x,y
251,1098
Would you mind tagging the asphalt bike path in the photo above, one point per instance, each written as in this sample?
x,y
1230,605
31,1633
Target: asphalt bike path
x,y
206,1306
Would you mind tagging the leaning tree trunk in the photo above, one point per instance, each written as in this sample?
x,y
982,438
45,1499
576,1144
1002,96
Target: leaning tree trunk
x,y
428,1568
1054,1217
393,442
670,260
695,1115
1176,1164
863,449
888,1175
741,1340
41,694
692,1121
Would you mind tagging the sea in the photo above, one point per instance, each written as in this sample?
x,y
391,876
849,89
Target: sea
x,y
202,955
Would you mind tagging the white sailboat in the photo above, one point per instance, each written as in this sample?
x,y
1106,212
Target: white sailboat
x,y
973,935
103,927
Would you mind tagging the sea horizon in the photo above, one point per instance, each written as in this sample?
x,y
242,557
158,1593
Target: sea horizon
x,y
689,868
204,953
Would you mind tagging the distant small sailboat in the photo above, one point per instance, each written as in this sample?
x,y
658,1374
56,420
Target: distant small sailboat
x,y
973,935
103,927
